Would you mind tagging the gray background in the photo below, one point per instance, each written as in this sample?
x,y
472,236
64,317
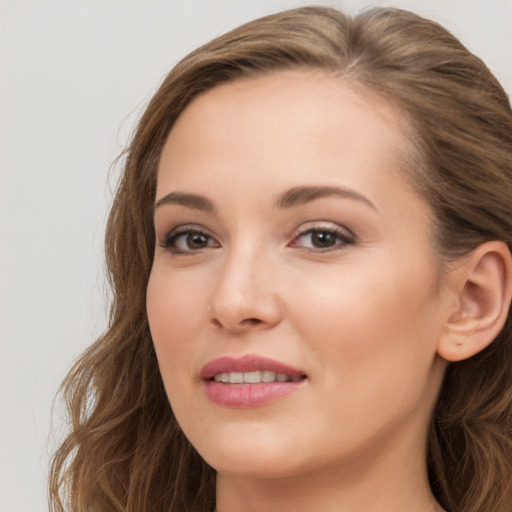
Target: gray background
x,y
74,78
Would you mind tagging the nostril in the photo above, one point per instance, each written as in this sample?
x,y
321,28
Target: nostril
x,y
251,321
246,322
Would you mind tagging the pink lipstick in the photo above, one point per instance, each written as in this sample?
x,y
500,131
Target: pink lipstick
x,y
249,381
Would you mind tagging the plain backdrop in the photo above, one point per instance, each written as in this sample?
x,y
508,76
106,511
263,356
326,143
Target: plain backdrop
x,y
74,78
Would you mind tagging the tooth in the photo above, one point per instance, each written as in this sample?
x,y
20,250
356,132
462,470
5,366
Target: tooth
x,y
236,377
252,377
268,376
255,377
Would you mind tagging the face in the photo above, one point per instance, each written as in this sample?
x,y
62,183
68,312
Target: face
x,y
295,299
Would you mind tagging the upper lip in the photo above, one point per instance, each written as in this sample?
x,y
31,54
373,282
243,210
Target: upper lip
x,y
247,363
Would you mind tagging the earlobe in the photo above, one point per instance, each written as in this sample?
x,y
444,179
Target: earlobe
x,y
482,288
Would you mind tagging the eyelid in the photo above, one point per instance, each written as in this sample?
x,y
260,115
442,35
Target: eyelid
x,y
182,230
346,235
327,225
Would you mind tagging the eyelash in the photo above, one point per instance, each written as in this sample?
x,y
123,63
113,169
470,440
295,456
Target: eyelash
x,y
184,231
341,236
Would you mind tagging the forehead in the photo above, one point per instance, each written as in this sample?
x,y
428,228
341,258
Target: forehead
x,y
299,94
286,120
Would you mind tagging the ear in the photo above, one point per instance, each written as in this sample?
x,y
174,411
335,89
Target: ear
x,y
481,286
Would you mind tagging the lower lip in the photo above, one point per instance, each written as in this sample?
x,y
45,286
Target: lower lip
x,y
245,396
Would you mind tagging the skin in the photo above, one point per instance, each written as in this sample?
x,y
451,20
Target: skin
x,y
362,317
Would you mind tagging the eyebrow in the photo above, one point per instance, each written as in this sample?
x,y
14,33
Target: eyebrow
x,y
193,201
294,197
298,196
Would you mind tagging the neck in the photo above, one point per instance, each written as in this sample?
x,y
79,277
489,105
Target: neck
x,y
370,483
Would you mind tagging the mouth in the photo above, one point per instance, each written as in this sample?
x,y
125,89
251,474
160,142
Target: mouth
x,y
249,381
255,377
249,369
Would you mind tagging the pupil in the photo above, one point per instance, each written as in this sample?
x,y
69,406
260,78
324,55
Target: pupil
x,y
323,239
197,240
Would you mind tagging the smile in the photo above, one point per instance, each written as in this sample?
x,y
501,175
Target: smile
x,y
255,377
249,381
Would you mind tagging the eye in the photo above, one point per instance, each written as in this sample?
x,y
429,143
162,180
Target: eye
x,y
187,240
323,238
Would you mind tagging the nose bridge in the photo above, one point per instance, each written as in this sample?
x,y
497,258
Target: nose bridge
x,y
245,295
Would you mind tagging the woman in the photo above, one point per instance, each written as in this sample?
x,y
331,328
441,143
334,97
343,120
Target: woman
x,y
308,254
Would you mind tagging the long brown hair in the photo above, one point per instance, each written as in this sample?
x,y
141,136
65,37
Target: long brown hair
x,y
125,450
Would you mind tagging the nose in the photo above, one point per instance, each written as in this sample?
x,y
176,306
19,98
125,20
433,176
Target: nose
x,y
246,296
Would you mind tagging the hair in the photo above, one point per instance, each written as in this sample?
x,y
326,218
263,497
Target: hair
x,y
125,450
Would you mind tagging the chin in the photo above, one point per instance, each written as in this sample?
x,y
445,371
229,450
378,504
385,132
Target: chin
x,y
251,453
264,466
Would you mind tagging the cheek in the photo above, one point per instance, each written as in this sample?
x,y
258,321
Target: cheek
x,y
373,347
175,302
172,312
371,324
